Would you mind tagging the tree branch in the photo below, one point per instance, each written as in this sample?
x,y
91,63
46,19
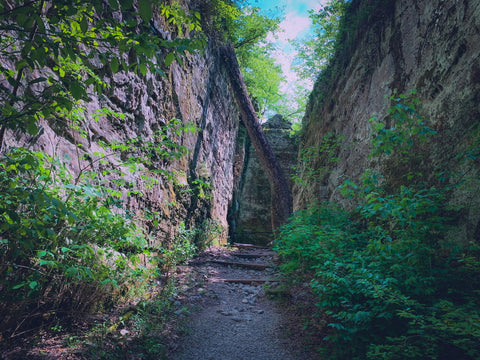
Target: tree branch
x,y
280,192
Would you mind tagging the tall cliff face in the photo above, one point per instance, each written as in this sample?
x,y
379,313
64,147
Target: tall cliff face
x,y
200,183
431,46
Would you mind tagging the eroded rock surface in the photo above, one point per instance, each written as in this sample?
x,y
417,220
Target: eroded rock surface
x,y
431,46
251,215
196,93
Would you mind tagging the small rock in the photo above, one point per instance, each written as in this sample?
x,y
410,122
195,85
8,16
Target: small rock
x,y
180,311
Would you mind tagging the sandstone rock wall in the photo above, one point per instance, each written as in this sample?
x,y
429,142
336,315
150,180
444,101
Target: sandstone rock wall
x,y
431,46
198,93
251,215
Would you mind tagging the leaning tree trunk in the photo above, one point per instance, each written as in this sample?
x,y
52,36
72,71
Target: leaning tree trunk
x,y
280,192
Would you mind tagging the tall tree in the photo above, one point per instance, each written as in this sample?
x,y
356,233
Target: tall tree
x,y
281,198
248,28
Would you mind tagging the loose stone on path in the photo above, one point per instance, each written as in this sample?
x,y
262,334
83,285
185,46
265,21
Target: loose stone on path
x,y
237,321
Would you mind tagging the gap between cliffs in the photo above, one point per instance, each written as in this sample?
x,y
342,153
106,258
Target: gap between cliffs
x,y
281,200
235,319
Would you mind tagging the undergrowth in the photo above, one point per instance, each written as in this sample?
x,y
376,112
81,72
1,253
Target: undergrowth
x,y
392,282
69,249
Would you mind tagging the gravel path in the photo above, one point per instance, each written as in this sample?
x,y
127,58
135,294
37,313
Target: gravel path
x,y
234,321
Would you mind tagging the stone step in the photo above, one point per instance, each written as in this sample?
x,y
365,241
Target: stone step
x,y
246,281
255,266
249,246
254,255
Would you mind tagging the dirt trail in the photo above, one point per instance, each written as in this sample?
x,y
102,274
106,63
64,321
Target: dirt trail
x,y
235,320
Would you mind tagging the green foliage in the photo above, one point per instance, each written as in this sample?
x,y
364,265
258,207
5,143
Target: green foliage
x,y
247,29
315,52
51,52
203,235
181,249
218,18
390,281
317,161
58,235
407,127
262,74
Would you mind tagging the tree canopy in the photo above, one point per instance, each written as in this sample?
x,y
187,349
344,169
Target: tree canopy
x,y
316,50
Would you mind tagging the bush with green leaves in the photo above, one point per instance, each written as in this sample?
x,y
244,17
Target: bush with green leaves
x,y
64,245
392,284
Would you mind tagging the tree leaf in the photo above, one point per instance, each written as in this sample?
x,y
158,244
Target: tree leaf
x,y
169,59
179,60
18,286
77,90
145,10
113,4
71,272
32,128
126,4
37,80
84,24
47,263
143,69
21,64
114,66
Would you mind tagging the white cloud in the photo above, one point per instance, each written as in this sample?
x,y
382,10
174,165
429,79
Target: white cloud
x,y
292,26
296,23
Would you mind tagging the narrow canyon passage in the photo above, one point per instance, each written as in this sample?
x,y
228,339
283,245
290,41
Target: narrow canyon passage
x,y
233,316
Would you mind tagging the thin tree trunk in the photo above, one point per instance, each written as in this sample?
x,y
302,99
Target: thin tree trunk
x,y
280,192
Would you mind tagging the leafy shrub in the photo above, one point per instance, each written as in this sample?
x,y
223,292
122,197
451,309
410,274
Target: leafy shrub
x,y
392,284
62,244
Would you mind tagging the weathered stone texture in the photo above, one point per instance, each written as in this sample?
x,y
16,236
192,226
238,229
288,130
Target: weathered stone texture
x,y
197,93
251,220
432,46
